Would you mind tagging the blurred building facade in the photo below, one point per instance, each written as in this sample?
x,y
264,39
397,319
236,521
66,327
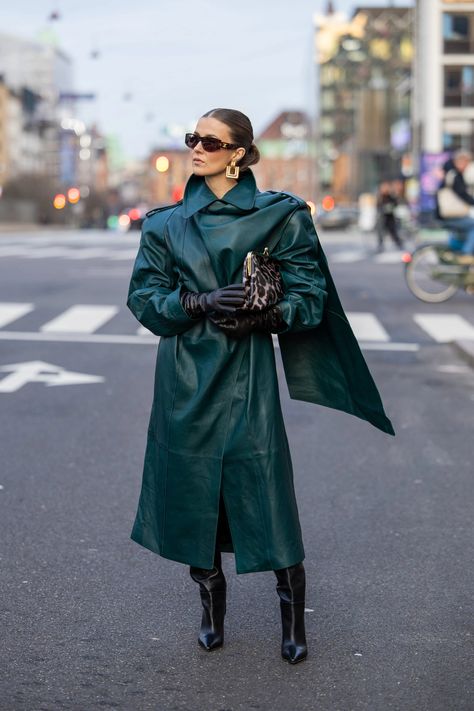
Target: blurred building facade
x,y
364,66
443,106
45,72
21,141
40,133
168,169
287,155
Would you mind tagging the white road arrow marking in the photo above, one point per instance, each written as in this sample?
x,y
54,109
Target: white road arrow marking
x,y
37,371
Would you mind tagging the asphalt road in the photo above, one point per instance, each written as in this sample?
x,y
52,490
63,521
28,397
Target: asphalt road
x,y
90,620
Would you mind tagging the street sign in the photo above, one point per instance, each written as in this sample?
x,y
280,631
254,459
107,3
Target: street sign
x,y
37,371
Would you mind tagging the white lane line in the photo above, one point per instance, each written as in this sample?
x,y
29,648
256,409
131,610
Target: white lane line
x,y
389,346
78,338
80,319
10,312
369,346
15,251
389,258
152,341
48,252
367,327
124,254
445,327
347,256
88,252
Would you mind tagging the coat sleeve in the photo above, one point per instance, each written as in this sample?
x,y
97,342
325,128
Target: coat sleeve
x,y
303,281
459,187
154,292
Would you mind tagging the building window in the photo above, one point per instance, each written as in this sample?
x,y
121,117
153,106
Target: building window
x,y
458,133
459,86
327,100
458,33
327,125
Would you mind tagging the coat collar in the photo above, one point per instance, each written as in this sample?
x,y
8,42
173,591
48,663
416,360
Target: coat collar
x,y
197,195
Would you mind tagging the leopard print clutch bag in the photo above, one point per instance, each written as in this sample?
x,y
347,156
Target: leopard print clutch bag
x,y
262,281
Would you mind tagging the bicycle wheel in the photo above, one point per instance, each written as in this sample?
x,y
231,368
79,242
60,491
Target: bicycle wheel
x,y
427,276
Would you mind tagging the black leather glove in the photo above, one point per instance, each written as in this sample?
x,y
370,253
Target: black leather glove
x,y
226,299
243,323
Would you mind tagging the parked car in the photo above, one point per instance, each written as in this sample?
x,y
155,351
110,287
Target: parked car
x,y
339,217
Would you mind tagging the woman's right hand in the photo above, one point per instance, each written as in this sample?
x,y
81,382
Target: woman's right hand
x,y
226,299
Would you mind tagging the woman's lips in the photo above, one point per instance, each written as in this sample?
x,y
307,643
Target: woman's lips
x,y
198,160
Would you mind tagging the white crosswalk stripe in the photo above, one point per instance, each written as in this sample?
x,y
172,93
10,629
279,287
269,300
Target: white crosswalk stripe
x,y
80,319
142,331
81,322
367,327
445,327
12,311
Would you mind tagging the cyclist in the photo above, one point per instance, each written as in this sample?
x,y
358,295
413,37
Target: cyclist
x,y
463,226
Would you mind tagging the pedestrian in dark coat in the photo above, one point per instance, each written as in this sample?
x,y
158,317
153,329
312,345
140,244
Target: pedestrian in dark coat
x,y
387,203
218,473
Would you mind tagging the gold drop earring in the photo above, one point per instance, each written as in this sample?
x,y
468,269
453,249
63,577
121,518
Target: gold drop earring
x,y
232,170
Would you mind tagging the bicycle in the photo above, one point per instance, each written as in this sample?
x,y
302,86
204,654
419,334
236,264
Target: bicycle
x,y
433,272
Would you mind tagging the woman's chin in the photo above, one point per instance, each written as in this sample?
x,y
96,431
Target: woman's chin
x,y
199,169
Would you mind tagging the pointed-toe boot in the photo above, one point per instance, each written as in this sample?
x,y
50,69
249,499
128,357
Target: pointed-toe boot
x,y
212,587
291,585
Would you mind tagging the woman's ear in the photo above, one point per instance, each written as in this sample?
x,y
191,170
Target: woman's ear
x,y
239,154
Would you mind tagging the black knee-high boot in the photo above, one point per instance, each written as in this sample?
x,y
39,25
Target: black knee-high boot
x,y
291,584
212,586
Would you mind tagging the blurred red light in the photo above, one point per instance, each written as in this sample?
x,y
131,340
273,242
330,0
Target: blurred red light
x,y
406,257
134,213
178,192
73,195
328,203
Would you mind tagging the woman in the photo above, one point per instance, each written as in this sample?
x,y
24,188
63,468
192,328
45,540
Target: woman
x,y
217,473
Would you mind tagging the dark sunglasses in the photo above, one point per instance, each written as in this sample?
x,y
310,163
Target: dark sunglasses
x,y
209,144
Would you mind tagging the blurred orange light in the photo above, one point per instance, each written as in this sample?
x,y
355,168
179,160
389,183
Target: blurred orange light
x,y
328,203
59,201
134,213
124,220
162,164
311,206
73,195
406,257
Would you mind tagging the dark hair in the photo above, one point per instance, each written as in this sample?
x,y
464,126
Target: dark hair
x,y
241,132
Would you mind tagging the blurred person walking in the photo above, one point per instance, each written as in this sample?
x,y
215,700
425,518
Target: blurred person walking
x,y
387,203
218,473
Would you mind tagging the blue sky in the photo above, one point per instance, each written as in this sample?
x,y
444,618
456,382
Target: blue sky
x,y
180,58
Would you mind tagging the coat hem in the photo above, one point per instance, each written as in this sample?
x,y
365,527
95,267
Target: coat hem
x,y
240,570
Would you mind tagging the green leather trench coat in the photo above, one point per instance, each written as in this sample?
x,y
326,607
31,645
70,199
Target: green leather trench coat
x,y
217,464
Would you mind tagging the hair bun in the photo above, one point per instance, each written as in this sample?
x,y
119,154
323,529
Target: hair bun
x,y
251,157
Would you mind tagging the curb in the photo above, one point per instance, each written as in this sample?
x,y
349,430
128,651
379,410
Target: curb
x,y
465,349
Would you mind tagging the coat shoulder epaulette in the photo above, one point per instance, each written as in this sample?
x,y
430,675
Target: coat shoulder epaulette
x,y
163,207
301,202
285,194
